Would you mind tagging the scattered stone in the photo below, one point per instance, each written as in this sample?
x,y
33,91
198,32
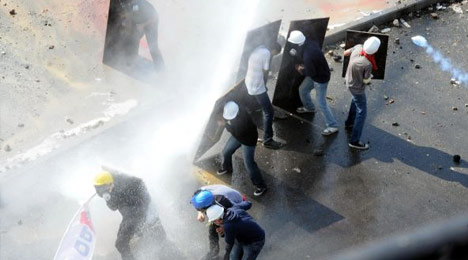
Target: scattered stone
x,y
405,23
457,8
296,170
395,124
21,125
342,46
318,152
412,61
466,105
70,121
391,101
337,58
26,67
456,158
331,53
386,30
331,68
7,148
385,97
396,23
3,53
51,47
374,29
434,16
13,12
423,113
397,40
410,15
417,66
455,108
439,167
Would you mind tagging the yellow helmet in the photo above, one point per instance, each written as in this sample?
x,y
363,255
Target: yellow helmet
x,y
103,178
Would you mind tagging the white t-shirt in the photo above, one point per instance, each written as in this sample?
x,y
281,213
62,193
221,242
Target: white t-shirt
x,y
259,61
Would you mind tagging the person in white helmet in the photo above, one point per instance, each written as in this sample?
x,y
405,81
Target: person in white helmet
x,y
244,237
358,75
313,65
243,134
257,73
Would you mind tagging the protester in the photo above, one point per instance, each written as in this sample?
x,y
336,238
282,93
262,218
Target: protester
x,y
358,74
257,74
313,65
210,195
139,18
243,133
244,237
129,196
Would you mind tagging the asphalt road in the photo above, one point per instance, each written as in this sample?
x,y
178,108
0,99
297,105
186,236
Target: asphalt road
x,y
317,206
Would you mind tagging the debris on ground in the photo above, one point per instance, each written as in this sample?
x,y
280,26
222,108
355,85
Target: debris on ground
x,y
417,66
386,30
454,81
395,124
70,121
13,12
439,7
397,40
434,16
396,23
337,58
296,170
342,46
466,105
385,97
402,21
51,47
456,158
374,29
20,125
331,53
457,8
318,152
455,108
423,113
391,101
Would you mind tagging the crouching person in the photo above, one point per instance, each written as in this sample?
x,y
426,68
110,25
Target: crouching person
x,y
244,237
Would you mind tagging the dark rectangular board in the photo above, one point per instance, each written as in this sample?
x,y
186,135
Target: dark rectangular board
x,y
286,94
264,35
355,37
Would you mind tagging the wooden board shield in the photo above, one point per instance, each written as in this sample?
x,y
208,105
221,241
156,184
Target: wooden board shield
x,y
286,94
355,37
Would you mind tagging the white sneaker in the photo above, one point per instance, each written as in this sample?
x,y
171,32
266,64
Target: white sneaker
x,y
329,131
304,110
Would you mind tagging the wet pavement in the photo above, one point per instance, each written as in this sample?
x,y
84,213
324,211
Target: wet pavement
x,y
317,206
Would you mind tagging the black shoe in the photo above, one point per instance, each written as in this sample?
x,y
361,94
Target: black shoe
x,y
222,172
259,191
272,144
359,146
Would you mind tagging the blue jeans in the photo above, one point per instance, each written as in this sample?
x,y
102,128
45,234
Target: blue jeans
x,y
250,251
321,95
248,153
357,116
268,113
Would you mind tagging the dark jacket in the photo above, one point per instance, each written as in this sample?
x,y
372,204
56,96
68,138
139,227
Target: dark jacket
x,y
316,66
240,226
243,128
129,196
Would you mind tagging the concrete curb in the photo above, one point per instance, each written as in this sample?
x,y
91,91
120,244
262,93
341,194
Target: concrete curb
x,y
385,16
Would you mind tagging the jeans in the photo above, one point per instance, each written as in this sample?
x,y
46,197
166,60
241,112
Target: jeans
x,y
268,113
357,116
248,153
321,95
250,251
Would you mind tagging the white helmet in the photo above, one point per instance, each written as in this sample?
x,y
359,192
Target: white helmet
x,y
214,212
297,37
230,110
371,45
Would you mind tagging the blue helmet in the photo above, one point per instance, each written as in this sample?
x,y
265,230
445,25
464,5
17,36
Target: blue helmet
x,y
202,199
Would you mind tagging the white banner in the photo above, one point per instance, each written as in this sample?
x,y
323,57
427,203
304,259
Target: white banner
x,y
79,240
